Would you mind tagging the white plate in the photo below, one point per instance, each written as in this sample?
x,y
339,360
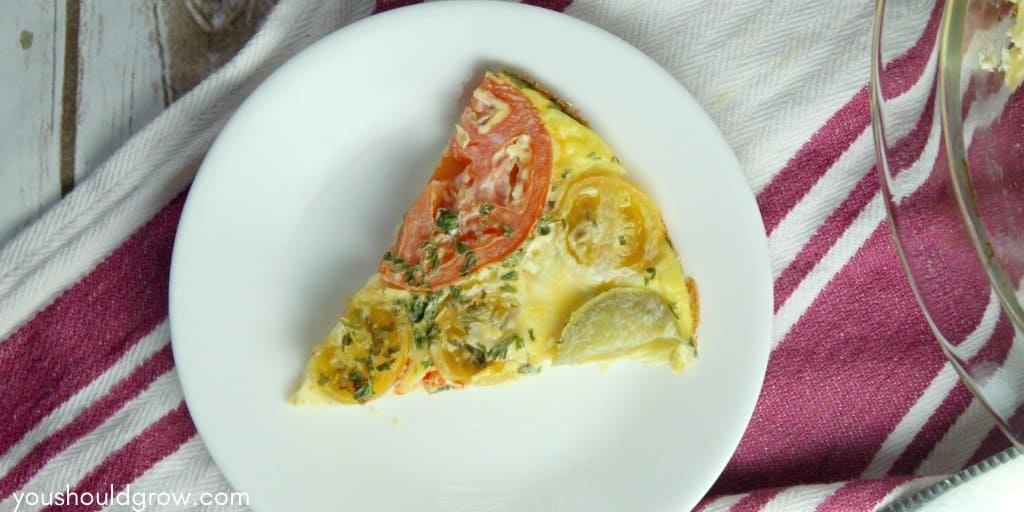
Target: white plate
x,y
298,199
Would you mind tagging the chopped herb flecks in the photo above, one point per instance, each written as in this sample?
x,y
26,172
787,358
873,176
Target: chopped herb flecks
x,y
485,209
422,310
398,263
469,264
364,392
515,258
354,376
511,275
506,230
649,275
430,251
475,351
447,221
500,350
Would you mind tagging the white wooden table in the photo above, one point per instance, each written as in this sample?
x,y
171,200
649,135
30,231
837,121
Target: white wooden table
x,y
81,76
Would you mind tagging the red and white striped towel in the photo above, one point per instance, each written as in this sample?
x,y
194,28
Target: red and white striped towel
x,y
858,407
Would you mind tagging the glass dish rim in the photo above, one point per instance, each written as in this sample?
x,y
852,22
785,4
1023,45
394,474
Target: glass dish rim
x,y
948,99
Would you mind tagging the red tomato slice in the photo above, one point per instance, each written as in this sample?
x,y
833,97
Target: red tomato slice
x,y
485,196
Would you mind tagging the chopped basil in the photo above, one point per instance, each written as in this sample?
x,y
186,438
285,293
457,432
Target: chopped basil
x,y
615,159
416,308
447,221
551,205
511,275
455,292
461,248
398,263
410,273
469,264
593,156
346,340
430,251
649,275
391,258
365,360
485,209
354,376
386,365
321,380
565,172
507,288
364,392
543,229
500,350
622,240
421,310
506,230
530,332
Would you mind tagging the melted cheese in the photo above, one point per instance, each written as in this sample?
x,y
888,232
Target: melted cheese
x,y
551,284
519,307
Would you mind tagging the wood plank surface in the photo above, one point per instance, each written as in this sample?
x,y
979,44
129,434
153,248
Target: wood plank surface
x,y
119,81
82,76
31,48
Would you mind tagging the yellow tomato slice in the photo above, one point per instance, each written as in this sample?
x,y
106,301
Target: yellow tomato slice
x,y
364,354
611,224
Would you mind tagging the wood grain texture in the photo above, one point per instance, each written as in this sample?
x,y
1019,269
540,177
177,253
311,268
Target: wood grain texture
x,y
199,36
119,80
31,45
124,63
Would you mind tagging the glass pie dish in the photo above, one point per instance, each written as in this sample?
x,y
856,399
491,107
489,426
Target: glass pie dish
x,y
948,125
